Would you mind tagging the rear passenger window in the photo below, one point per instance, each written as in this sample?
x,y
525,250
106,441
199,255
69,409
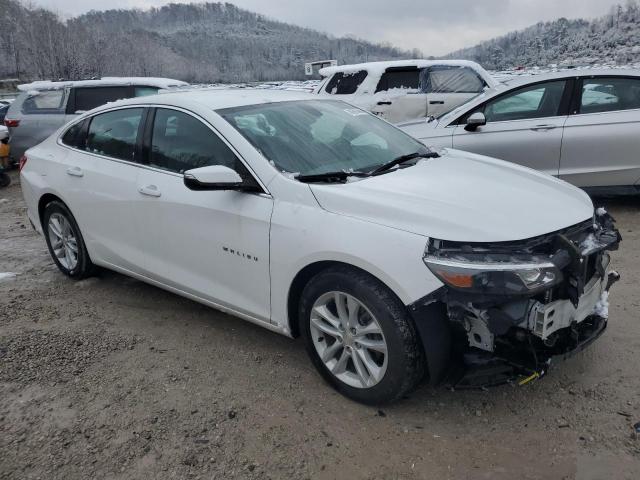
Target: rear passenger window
x,y
181,142
90,98
114,134
399,78
345,83
44,101
610,94
445,79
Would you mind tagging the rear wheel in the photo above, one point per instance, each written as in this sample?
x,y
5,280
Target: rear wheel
x,y
359,336
65,241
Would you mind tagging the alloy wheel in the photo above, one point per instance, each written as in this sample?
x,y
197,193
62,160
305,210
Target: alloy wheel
x,y
63,241
348,339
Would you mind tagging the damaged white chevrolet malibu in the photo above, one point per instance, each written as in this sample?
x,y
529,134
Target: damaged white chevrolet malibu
x,y
313,218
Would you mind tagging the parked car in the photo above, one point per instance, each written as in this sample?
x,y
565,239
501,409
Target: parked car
x,y
581,126
315,218
406,89
3,112
45,106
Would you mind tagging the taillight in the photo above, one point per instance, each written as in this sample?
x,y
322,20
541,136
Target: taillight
x,y
11,123
23,162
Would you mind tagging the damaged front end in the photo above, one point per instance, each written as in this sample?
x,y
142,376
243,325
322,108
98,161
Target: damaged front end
x,y
509,309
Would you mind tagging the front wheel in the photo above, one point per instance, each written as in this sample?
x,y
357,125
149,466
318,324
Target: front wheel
x,y
65,241
359,336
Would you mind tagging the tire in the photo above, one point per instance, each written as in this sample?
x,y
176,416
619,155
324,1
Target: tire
x,y
56,220
5,180
392,374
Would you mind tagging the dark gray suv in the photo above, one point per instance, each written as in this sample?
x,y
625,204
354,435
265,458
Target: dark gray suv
x,y
43,107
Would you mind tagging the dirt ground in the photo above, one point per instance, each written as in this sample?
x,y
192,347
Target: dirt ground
x,y
112,378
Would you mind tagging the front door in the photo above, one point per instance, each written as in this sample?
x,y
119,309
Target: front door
x,y
211,244
523,126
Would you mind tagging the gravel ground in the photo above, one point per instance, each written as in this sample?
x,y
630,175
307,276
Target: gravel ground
x,y
112,378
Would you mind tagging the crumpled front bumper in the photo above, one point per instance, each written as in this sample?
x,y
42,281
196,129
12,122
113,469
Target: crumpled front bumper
x,y
475,340
521,366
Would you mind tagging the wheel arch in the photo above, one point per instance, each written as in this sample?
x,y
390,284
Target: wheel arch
x,y
45,200
304,276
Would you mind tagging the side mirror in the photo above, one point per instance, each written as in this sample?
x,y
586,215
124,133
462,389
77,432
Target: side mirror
x,y
213,177
474,121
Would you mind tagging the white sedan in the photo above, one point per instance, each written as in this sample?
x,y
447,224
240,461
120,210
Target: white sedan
x,y
579,125
311,217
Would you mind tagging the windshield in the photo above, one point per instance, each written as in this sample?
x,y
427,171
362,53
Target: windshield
x,y
312,137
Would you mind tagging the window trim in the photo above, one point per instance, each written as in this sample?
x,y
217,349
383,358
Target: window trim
x,y
576,105
563,110
145,121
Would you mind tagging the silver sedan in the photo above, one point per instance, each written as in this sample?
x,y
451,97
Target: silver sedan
x,y
579,125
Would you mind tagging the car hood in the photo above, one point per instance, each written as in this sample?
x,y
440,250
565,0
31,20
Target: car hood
x,y
461,197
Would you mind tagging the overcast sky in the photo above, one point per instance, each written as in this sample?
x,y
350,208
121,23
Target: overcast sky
x,y
434,26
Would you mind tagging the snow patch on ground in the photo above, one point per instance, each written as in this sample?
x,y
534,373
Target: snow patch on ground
x,y
7,276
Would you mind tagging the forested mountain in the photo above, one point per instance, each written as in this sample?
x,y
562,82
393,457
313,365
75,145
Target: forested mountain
x,y
614,38
212,42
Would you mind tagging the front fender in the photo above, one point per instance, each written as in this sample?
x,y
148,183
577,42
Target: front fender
x,y
301,236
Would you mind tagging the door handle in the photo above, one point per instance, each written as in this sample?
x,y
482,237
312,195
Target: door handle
x,y
543,127
384,103
150,190
436,102
75,172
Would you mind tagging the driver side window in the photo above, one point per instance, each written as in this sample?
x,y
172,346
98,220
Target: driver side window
x,y
536,101
181,142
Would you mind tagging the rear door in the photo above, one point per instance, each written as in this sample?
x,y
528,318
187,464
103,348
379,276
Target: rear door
x,y
398,96
524,126
448,87
212,244
99,184
601,142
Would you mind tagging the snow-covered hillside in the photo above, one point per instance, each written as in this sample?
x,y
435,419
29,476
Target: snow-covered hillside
x,y
611,39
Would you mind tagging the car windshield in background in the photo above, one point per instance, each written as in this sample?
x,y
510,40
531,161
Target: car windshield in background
x,y
313,137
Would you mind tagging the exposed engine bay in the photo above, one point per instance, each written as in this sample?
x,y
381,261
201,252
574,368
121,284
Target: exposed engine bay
x,y
511,308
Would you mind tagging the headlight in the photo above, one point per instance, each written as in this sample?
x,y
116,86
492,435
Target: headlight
x,y
498,278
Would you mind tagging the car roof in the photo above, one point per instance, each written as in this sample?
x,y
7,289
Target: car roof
x,y
104,81
529,77
215,98
380,67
